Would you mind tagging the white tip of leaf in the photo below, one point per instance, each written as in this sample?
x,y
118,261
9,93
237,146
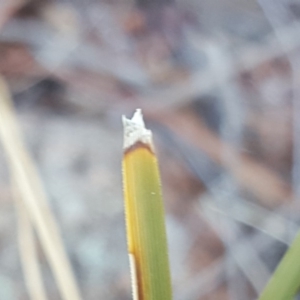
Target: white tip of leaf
x,y
135,130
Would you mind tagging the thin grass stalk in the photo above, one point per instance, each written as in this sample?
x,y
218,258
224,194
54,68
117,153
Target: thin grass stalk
x,y
146,234
28,252
33,196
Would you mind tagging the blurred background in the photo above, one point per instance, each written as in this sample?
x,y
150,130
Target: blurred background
x,y
219,84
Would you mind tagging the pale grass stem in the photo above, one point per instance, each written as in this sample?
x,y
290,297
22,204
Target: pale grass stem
x,y
33,197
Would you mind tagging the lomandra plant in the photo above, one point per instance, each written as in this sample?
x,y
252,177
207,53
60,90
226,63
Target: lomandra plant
x,y
146,233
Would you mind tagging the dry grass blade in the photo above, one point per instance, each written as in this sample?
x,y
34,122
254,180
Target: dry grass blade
x,y
28,252
34,198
